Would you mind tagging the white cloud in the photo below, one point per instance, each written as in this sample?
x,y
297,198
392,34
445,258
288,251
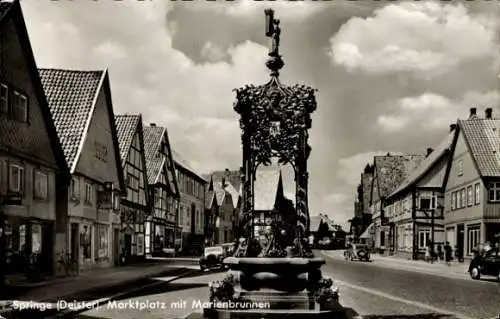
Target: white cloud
x,y
351,167
432,111
212,53
416,37
148,75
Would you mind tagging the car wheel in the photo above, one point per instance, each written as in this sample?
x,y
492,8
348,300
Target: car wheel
x,y
474,273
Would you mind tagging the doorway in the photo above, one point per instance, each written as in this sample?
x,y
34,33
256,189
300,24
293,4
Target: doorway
x,y
74,242
47,248
460,238
116,247
128,246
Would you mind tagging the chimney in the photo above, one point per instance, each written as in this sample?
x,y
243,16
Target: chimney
x,y
453,127
152,124
473,111
429,151
488,112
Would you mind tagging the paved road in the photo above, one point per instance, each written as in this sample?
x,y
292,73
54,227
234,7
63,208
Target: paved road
x,y
365,289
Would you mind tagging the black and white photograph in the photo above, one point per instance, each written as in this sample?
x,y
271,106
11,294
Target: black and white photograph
x,y
234,159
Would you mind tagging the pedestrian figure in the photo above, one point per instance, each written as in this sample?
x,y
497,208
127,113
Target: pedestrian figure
x,y
439,250
447,254
458,254
428,253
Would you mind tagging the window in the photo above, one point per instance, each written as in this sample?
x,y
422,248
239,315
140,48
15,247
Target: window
x,y
424,236
453,200
427,201
16,178
477,197
463,197
494,192
473,239
75,188
41,185
103,241
20,107
470,196
4,99
85,241
88,193
460,165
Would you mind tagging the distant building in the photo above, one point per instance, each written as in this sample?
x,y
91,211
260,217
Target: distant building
x,y
135,207
389,172
222,200
34,175
415,208
163,227
472,196
192,206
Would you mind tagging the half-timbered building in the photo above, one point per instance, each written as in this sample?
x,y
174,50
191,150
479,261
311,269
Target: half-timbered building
x,y
134,207
33,170
163,230
472,198
82,110
415,209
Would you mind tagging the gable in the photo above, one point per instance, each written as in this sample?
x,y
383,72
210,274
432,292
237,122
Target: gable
x,y
171,176
461,158
99,159
35,139
435,176
134,172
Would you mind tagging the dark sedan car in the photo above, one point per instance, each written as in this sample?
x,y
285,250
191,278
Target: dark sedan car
x,y
487,264
213,257
357,252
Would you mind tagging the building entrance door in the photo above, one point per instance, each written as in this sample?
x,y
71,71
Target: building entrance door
x,y
461,238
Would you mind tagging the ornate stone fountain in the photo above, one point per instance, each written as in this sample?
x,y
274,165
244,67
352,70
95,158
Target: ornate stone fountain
x,y
281,278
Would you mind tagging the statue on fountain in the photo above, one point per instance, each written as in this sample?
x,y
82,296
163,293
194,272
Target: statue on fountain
x,y
282,271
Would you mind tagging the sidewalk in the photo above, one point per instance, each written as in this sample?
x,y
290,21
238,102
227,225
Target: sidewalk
x,y
456,270
101,279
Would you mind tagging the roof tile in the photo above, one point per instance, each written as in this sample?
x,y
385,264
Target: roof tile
x,y
154,161
70,95
392,170
427,164
483,137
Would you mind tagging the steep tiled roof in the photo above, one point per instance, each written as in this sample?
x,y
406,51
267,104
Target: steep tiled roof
x,y
426,164
265,187
126,127
392,170
209,197
220,193
180,161
234,194
483,140
71,95
233,177
154,162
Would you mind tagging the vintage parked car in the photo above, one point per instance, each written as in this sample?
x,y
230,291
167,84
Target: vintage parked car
x,y
357,252
212,258
487,264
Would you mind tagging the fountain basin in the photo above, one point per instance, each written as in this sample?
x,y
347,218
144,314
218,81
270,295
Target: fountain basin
x,y
281,274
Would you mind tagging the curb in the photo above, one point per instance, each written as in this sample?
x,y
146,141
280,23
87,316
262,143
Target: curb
x,y
410,268
96,303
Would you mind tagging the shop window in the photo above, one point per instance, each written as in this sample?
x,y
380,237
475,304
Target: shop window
x,y
103,241
424,236
86,242
41,185
16,178
473,239
36,239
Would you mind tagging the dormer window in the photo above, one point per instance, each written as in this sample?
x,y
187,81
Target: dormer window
x,y
20,107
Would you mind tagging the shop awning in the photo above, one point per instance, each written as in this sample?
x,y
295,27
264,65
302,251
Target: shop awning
x,y
367,233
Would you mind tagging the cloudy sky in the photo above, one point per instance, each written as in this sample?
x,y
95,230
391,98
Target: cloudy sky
x,y
391,76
